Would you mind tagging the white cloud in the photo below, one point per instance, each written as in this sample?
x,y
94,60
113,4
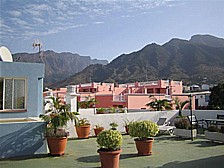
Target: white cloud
x,y
15,13
98,22
39,20
18,21
42,17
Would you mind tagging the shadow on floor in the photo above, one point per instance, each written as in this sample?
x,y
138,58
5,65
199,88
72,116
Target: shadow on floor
x,y
206,143
213,162
126,156
27,157
89,159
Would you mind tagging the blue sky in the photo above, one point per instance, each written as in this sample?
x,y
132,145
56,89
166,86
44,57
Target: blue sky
x,y
104,29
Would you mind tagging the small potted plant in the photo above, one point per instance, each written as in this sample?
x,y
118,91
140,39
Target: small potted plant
x,y
56,120
97,129
82,128
113,126
100,110
110,142
213,133
183,128
143,131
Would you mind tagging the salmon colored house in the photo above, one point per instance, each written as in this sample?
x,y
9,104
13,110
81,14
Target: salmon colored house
x,y
131,95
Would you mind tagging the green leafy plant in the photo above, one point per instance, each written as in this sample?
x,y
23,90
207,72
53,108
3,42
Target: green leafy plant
x,y
82,122
159,105
213,128
222,129
182,123
109,140
57,118
89,103
216,98
143,129
113,126
112,110
127,122
180,105
98,126
100,110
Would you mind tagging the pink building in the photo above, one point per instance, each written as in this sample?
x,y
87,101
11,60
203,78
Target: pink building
x,y
130,95
60,92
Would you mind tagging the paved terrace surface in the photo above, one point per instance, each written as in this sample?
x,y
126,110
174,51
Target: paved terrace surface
x,y
168,152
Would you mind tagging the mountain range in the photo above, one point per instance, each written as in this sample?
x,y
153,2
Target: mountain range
x,y
198,60
58,66
195,61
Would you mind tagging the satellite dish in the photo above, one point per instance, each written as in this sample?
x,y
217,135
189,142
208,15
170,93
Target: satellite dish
x,y
5,54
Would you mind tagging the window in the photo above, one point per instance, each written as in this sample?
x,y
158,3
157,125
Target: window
x,y
12,93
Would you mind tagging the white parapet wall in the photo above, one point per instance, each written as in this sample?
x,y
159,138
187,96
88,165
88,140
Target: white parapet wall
x,y
204,114
120,118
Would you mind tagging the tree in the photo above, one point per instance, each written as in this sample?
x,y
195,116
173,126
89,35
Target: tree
x,y
180,105
159,105
90,102
216,97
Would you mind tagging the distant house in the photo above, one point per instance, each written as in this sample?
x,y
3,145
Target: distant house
x,y
130,95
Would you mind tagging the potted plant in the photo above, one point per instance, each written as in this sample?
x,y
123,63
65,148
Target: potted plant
x,y
143,131
113,126
213,133
112,110
183,128
98,129
82,128
110,142
100,110
56,120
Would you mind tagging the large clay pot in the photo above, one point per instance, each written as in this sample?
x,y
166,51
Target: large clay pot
x,y
57,145
98,130
83,131
109,159
144,147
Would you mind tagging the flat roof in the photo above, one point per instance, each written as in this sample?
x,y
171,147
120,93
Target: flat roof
x,y
168,152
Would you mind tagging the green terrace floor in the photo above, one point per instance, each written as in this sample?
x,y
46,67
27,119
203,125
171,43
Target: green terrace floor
x,y
168,152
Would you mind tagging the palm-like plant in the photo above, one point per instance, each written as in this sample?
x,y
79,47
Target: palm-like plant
x,y
180,105
57,118
87,104
159,105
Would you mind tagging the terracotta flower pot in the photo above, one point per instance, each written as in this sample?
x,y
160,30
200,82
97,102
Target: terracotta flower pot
x,y
109,159
83,131
57,145
98,130
144,147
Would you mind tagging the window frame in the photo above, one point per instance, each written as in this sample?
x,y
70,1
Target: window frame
x,y
13,90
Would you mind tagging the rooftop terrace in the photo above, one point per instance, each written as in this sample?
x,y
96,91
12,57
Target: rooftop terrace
x,y
168,152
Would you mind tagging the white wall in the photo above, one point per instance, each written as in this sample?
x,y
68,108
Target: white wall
x,y
120,118
204,114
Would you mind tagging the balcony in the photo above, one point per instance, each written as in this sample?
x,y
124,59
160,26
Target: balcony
x,y
119,98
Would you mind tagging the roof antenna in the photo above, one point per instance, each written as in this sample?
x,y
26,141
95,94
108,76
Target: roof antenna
x,y
37,43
